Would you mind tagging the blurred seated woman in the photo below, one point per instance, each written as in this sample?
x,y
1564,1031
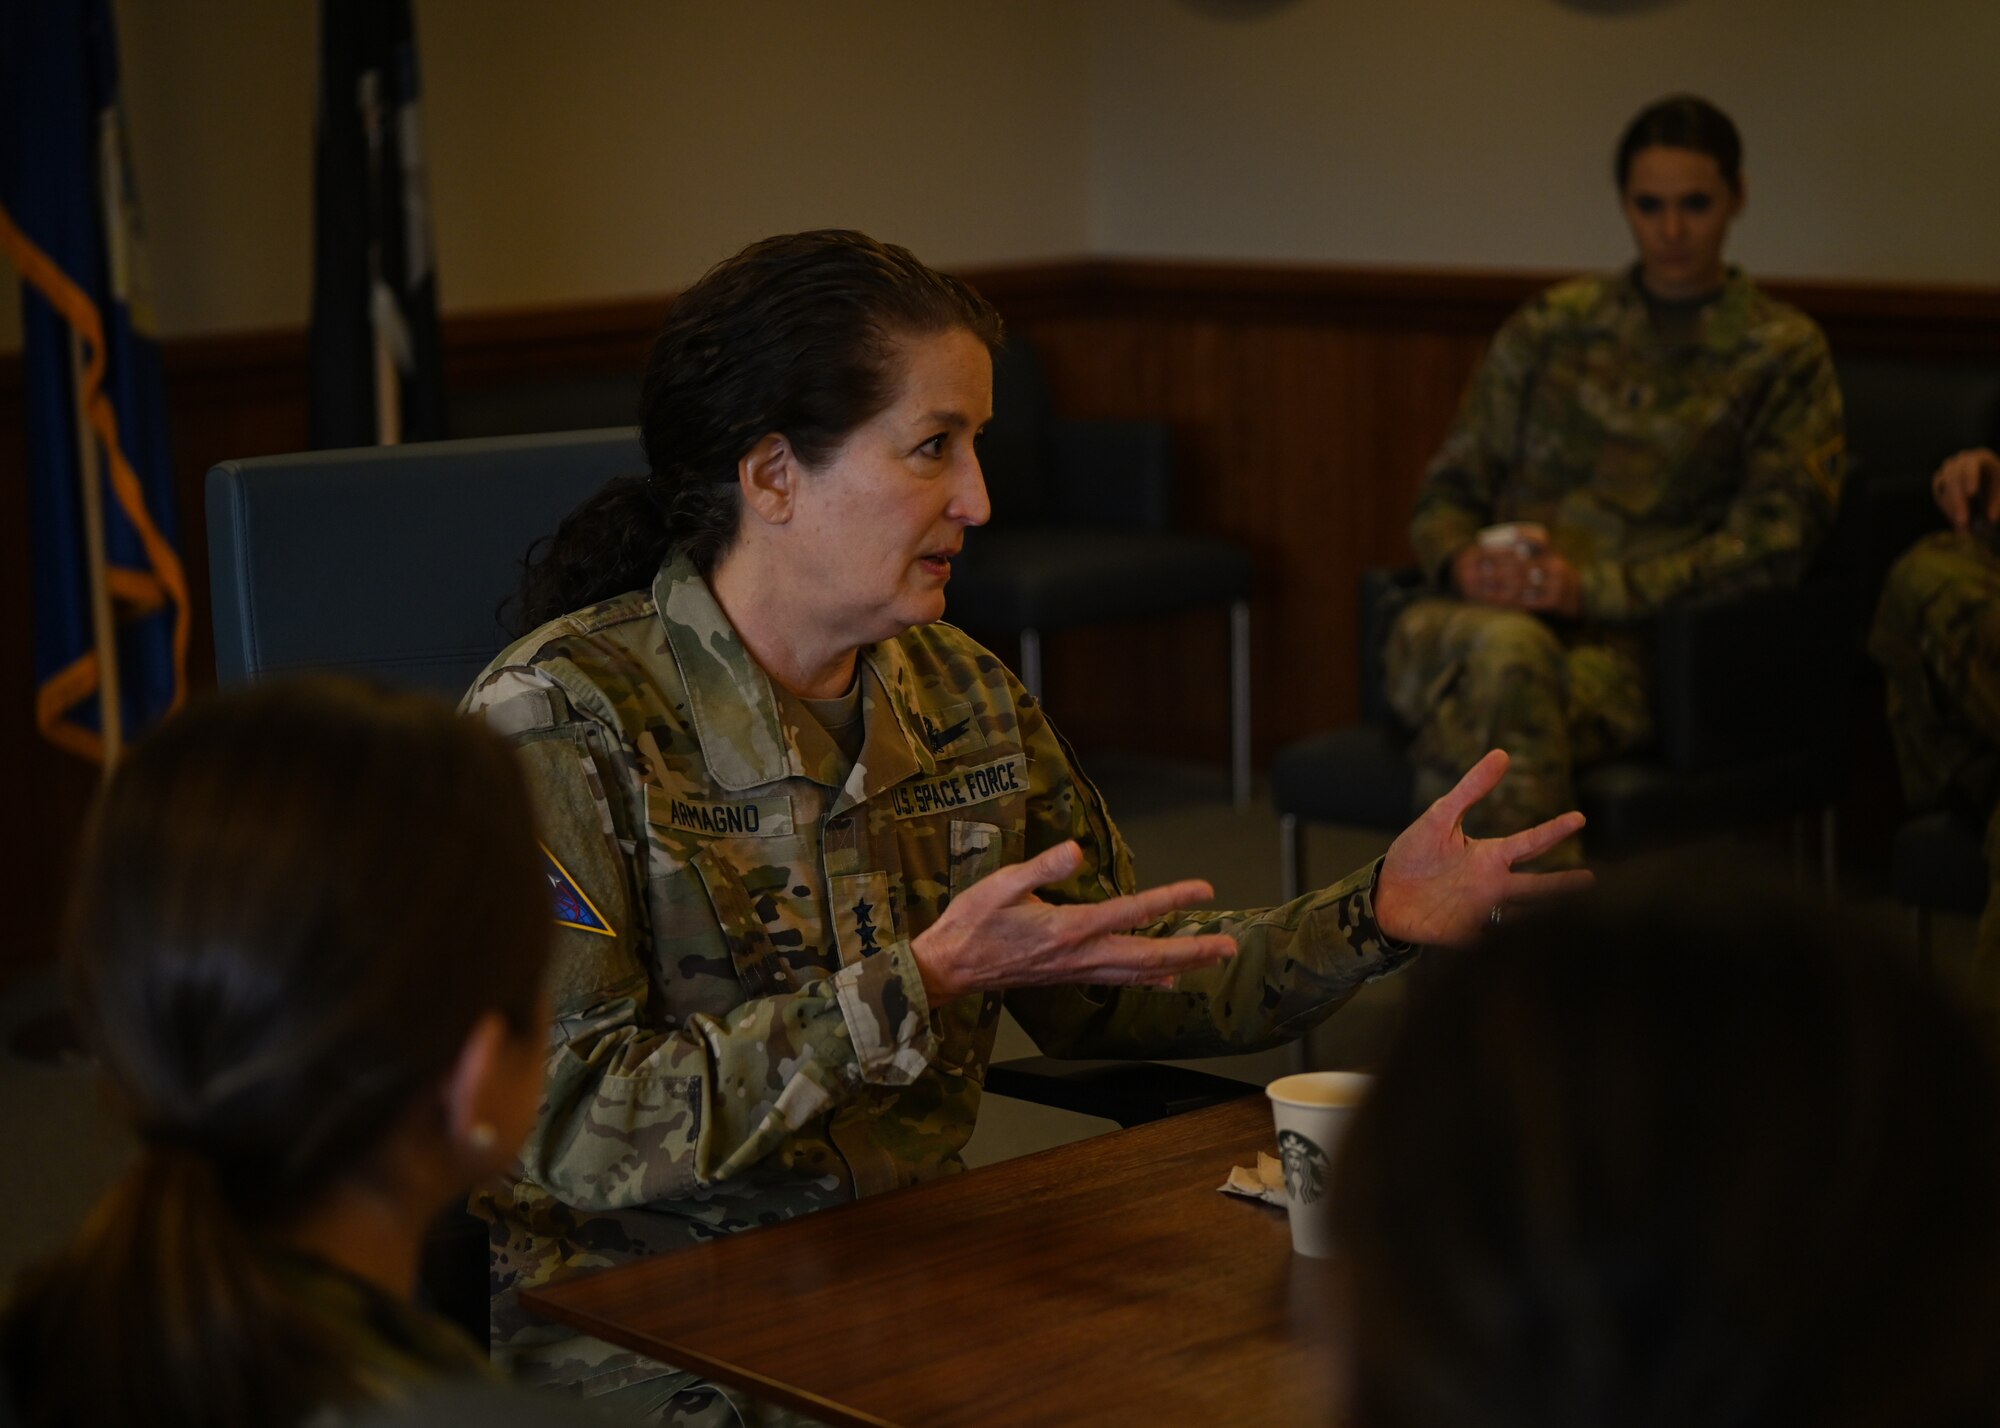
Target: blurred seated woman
x,y
1589,1188
306,949
1936,635
1631,442
812,839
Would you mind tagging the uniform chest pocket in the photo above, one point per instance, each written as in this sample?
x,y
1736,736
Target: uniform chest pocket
x,y
978,849
761,892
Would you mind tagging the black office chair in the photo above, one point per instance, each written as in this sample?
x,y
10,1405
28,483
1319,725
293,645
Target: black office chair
x,y
1082,535
1937,864
394,563
1753,707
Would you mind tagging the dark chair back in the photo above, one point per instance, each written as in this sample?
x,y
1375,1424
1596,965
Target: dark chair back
x,y
1904,417
391,562
1017,452
1906,414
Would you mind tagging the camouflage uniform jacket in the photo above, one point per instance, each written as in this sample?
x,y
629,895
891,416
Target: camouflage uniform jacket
x,y
745,1035
392,1351
395,1350
1663,469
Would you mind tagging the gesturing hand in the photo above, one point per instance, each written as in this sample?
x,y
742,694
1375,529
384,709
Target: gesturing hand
x,y
997,934
1438,886
1967,488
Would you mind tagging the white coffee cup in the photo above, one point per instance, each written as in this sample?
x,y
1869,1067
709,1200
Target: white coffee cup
x,y
1312,1110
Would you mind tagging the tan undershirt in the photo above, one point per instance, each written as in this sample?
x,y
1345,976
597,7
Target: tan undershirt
x,y
841,717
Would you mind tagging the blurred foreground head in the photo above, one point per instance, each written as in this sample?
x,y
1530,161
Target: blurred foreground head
x,y
299,909
1666,1158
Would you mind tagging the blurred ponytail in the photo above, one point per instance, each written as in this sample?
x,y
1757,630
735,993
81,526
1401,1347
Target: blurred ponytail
x,y
295,902
798,334
163,1311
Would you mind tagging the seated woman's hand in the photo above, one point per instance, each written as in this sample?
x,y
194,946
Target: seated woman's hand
x,y
1486,575
1439,887
997,934
1524,573
1967,488
1550,586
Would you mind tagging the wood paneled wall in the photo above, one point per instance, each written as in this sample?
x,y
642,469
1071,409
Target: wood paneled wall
x,y
1304,403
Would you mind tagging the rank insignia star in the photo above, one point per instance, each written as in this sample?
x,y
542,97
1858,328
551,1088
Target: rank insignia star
x,y
864,926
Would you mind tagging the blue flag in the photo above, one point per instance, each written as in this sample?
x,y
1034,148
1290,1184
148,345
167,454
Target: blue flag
x,y
69,222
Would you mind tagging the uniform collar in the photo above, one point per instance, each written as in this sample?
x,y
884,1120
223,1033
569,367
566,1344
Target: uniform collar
x,y
1725,318
752,731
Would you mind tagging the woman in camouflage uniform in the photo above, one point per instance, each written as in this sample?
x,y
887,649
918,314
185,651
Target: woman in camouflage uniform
x,y
271,954
1937,637
1661,435
806,841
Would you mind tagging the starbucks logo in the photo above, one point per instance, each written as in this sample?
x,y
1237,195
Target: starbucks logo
x,y
1305,1167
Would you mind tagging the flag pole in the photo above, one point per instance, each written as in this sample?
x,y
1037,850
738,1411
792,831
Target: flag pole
x,y
381,301
111,709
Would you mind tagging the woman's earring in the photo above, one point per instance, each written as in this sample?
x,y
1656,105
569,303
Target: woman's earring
x,y
481,1136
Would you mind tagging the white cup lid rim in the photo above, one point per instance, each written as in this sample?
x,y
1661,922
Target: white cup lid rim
x,y
1350,1085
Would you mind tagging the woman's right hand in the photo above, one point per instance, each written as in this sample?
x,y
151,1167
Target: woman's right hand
x,y
1967,488
997,934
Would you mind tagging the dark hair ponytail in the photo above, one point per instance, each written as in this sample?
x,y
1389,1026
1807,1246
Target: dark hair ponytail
x,y
294,904
161,1311
612,543
795,334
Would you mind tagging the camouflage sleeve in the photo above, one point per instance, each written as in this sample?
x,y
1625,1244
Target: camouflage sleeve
x,y
1293,966
635,1109
1466,475
1794,451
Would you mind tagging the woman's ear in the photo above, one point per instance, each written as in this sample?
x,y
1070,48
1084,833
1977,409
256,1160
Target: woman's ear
x,y
769,476
476,1091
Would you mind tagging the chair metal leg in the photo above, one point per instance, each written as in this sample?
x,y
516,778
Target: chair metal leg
x,y
1302,1052
1291,856
1239,703
1031,662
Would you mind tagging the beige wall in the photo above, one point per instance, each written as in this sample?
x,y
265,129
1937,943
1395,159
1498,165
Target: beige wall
x,y
617,147
1479,132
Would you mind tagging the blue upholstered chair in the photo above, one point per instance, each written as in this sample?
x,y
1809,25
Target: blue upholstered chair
x,y
389,561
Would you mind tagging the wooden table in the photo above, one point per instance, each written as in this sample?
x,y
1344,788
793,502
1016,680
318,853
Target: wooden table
x,y
1100,1282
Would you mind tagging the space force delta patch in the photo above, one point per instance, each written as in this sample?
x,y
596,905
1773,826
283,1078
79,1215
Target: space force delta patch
x,y
573,908
961,788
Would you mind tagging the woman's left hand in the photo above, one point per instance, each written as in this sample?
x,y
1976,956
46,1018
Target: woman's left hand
x,y
1441,888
